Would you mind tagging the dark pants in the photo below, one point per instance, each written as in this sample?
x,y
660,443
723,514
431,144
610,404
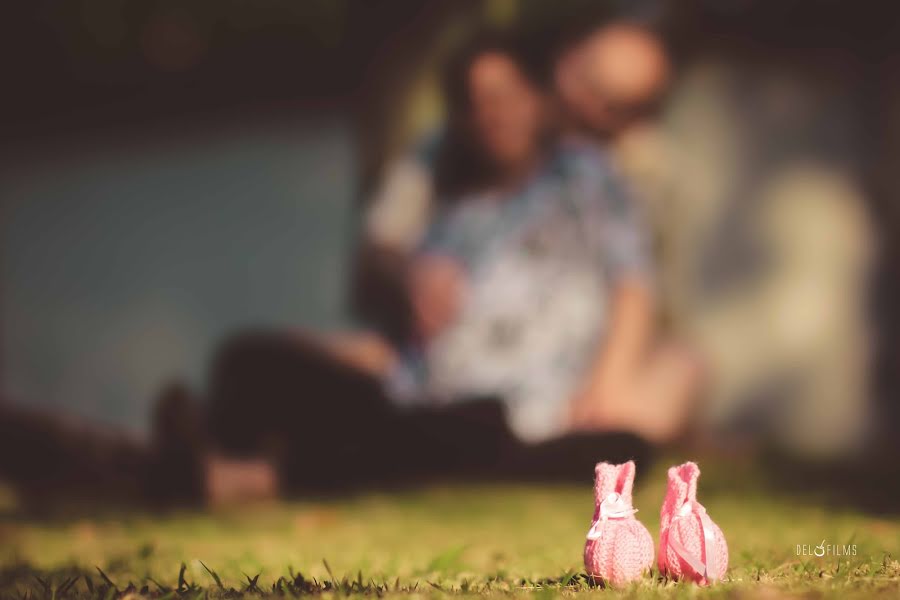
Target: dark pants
x,y
330,427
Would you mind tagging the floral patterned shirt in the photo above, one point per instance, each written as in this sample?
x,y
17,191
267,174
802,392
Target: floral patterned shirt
x,y
540,263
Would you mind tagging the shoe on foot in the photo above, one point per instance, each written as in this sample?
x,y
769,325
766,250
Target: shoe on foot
x,y
619,548
691,546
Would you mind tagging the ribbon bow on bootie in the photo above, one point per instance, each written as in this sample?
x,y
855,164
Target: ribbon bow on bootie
x,y
692,546
612,507
708,570
618,548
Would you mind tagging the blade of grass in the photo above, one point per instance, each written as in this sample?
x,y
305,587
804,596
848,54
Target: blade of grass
x,y
214,575
108,581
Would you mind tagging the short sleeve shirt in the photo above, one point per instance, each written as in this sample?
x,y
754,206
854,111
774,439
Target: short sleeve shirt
x,y
540,262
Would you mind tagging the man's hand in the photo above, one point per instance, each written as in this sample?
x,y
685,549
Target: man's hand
x,y
436,288
600,405
608,398
656,402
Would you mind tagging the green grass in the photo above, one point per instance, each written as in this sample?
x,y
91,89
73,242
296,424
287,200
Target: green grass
x,y
495,540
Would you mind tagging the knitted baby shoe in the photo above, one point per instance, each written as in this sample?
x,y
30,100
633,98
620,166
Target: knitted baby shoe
x,y
691,546
619,548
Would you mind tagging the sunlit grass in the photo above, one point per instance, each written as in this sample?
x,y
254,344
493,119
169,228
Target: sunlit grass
x,y
441,540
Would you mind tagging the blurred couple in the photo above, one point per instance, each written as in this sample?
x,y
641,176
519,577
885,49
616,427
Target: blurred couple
x,y
508,279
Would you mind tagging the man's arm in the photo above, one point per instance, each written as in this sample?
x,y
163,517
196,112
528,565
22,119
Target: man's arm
x,y
625,253
620,355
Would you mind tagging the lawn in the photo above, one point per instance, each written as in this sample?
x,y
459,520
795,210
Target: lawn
x,y
473,540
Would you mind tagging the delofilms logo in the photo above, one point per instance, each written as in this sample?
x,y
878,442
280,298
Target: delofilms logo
x,y
824,549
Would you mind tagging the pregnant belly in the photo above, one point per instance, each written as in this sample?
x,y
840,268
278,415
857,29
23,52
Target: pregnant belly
x,y
526,334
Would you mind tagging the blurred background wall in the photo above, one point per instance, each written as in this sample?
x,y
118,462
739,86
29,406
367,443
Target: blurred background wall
x,y
124,265
172,172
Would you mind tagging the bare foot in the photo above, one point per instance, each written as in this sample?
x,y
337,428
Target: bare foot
x,y
232,481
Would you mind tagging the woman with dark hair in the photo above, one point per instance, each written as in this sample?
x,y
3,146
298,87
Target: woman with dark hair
x,y
495,128
495,132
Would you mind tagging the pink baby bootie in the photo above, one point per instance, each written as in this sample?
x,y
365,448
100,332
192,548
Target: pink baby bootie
x,y
619,548
691,546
